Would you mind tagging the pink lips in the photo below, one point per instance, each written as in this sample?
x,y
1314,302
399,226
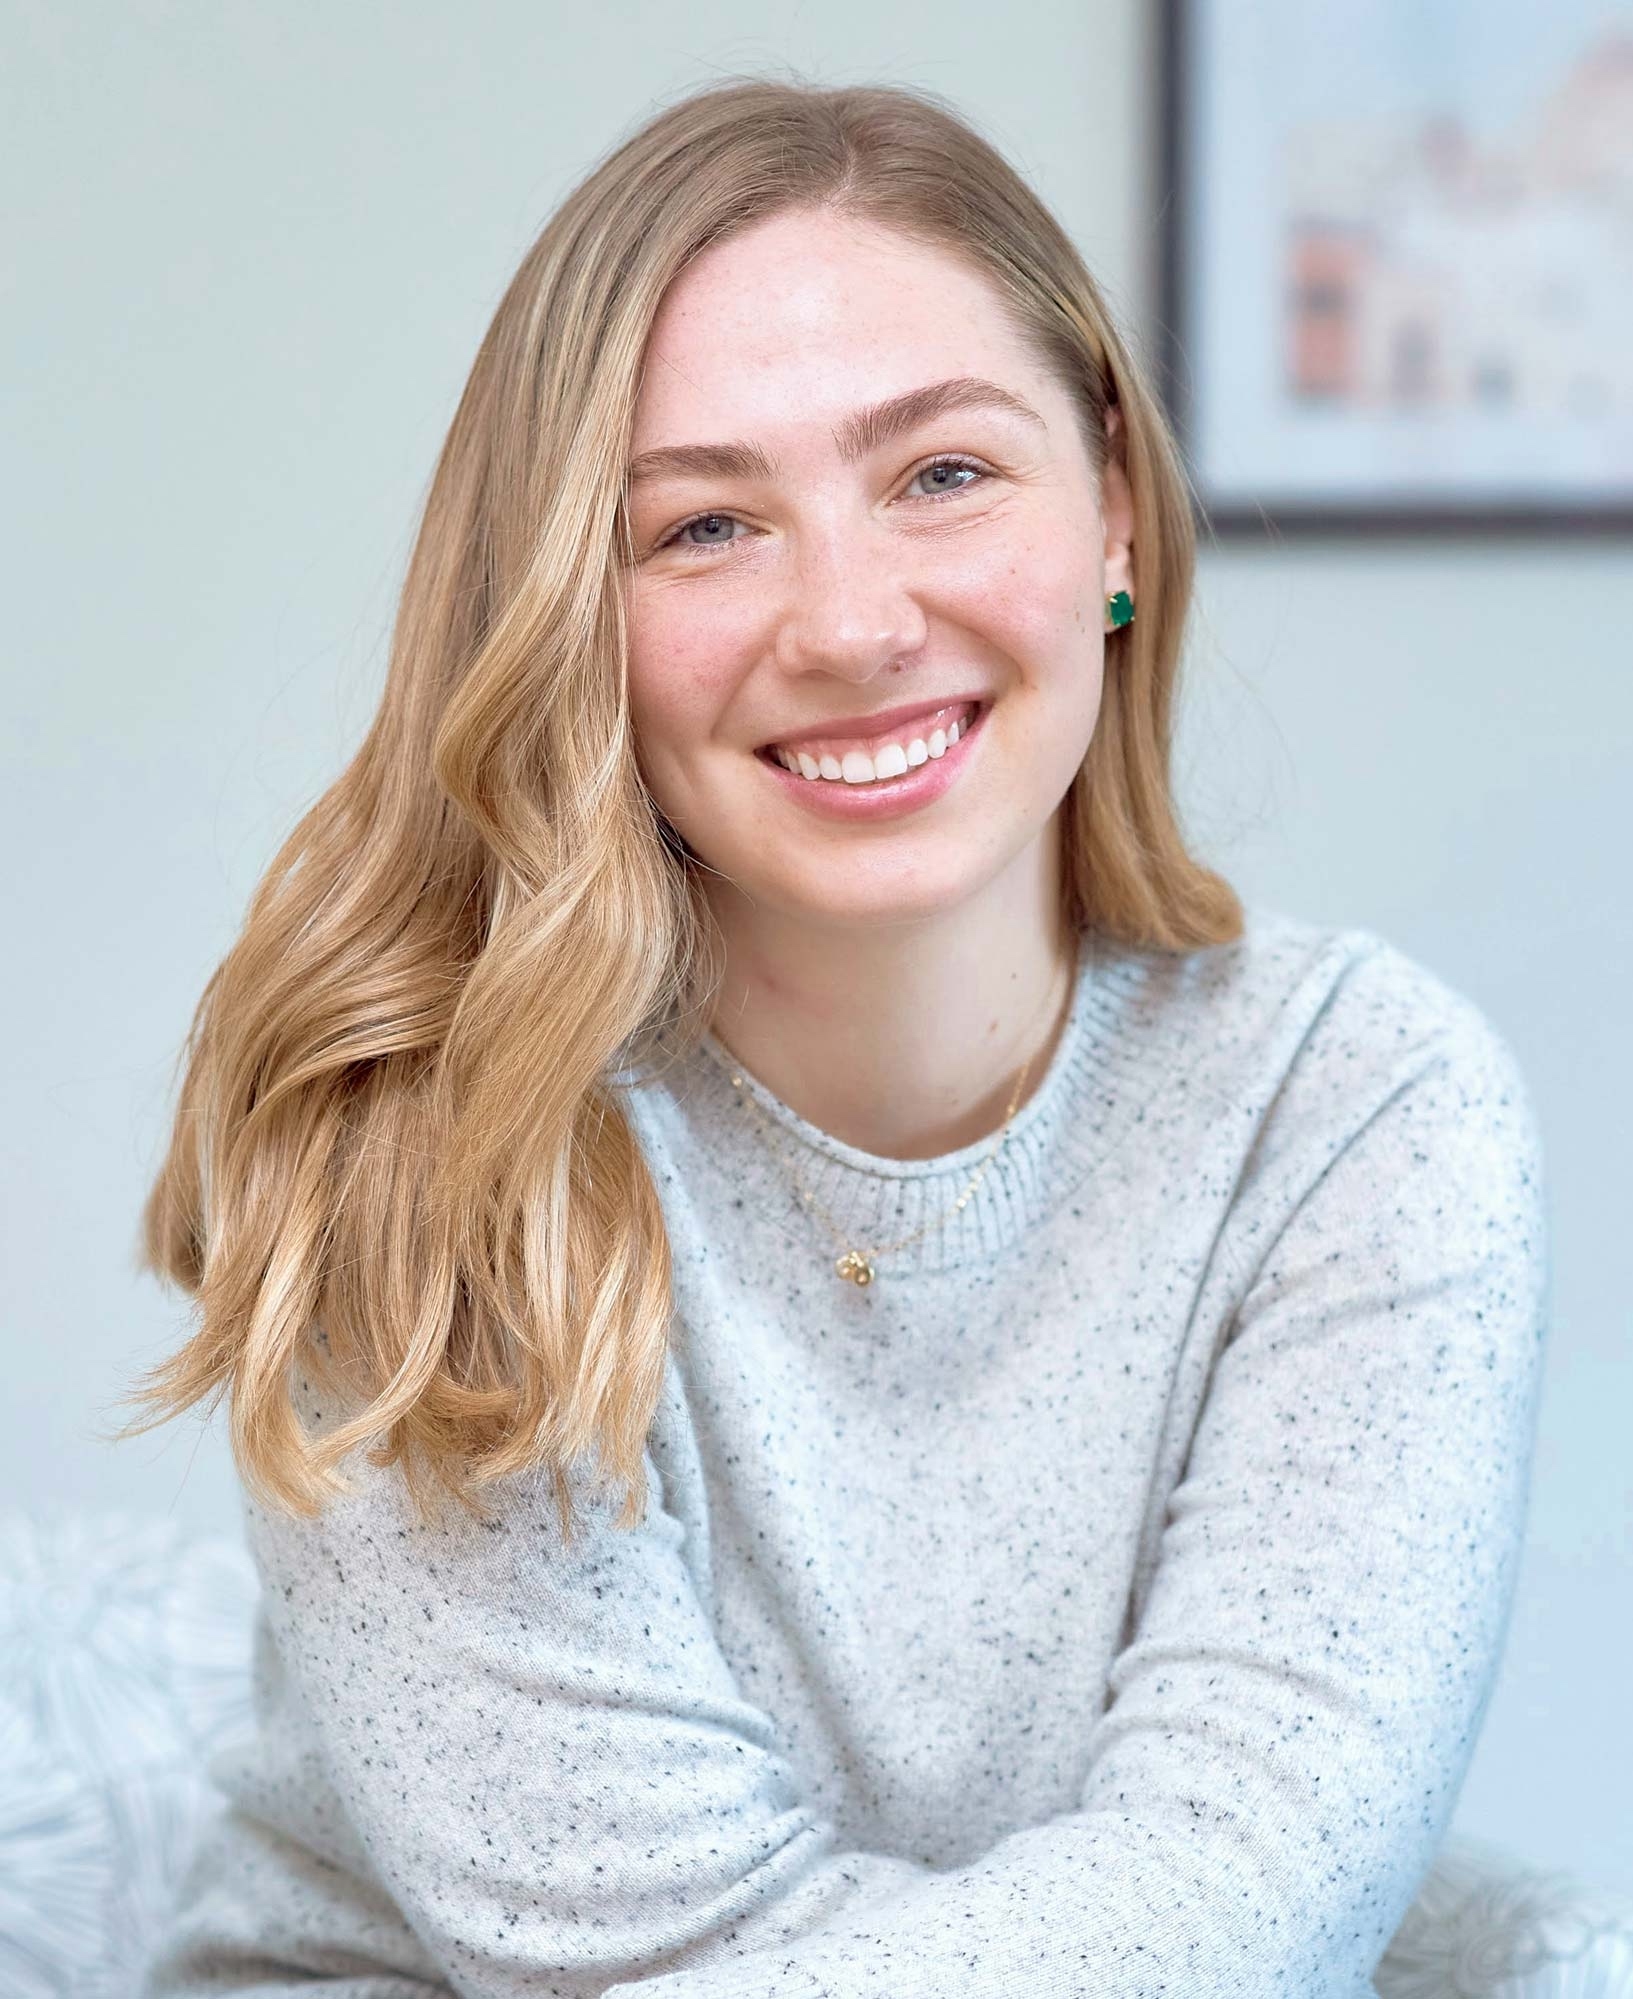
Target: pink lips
x,y
888,724
883,798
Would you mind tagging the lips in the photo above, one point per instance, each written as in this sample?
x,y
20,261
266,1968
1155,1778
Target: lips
x,y
834,798
913,722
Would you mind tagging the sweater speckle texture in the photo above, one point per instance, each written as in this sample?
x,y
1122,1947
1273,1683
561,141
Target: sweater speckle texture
x,y
1105,1601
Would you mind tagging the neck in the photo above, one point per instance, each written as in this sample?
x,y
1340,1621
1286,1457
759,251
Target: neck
x,y
905,1039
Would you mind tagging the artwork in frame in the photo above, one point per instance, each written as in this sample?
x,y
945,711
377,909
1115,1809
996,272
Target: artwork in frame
x,y
1397,263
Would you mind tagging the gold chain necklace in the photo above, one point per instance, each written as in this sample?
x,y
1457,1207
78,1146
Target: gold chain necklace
x,y
857,1264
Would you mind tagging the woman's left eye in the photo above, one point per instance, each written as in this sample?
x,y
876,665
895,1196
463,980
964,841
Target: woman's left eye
x,y
949,465
711,522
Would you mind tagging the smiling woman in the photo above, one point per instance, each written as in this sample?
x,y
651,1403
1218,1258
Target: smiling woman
x,y
804,381
747,1027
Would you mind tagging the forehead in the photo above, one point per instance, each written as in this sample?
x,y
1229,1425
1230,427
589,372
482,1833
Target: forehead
x,y
802,314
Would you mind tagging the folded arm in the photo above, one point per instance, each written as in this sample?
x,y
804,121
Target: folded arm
x,y
1292,1720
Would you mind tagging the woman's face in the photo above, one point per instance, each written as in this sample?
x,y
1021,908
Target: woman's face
x,y
840,561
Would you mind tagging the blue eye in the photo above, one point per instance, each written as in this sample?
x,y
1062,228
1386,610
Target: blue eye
x,y
701,521
947,465
715,519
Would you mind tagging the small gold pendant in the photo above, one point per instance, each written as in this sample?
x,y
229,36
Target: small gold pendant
x,y
854,1265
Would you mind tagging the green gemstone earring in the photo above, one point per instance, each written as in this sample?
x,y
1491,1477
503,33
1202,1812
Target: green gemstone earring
x,y
1121,609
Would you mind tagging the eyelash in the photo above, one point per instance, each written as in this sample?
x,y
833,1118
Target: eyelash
x,y
673,538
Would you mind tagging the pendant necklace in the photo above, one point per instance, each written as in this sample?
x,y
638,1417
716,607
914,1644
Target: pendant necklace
x,y
856,1263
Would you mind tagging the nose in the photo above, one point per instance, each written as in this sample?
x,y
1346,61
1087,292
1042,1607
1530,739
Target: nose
x,y
848,611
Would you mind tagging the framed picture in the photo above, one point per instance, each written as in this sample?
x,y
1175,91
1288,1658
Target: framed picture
x,y
1397,262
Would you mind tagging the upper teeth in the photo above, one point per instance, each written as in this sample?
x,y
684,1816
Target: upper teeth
x,y
886,760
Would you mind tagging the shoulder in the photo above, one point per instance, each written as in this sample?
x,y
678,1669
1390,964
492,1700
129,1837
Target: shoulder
x,y
1346,1064
1340,1008
1302,1041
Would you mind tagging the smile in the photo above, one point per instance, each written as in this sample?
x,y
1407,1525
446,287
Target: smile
x,y
891,778
838,762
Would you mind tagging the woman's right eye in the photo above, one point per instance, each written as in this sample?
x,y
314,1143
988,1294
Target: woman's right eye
x,y
675,537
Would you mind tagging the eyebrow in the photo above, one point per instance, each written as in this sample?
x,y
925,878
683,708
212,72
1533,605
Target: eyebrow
x,y
864,430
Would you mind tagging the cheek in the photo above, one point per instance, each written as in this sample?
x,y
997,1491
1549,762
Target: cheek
x,y
685,656
1031,594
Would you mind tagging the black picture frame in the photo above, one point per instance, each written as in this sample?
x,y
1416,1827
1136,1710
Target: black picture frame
x,y
1189,363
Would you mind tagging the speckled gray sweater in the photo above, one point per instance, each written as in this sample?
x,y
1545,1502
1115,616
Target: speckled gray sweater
x,y
1105,1601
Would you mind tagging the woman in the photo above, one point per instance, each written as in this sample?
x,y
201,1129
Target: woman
x,y
746,1030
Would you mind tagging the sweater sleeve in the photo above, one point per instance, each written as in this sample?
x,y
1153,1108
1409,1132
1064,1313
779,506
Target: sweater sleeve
x,y
487,1762
1290,1723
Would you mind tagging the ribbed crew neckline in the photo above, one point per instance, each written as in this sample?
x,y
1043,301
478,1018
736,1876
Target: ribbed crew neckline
x,y
1113,1053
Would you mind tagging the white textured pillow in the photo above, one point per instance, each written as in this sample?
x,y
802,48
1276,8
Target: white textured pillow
x,y
125,1647
1484,1927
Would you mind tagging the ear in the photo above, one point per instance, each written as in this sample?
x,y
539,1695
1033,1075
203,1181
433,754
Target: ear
x,y
1117,508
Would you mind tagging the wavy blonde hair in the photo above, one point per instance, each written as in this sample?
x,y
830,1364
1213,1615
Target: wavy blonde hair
x,y
399,1120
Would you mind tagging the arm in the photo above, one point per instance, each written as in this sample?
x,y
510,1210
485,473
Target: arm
x,y
1292,1721
485,1764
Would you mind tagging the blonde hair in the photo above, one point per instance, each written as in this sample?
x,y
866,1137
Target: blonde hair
x,y
399,1159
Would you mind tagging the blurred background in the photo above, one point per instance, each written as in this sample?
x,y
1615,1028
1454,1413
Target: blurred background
x,y
256,254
